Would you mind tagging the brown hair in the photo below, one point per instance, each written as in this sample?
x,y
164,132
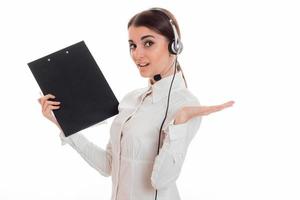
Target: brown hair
x,y
157,19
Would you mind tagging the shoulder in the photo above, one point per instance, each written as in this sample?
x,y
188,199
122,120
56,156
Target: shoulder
x,y
130,98
133,94
186,97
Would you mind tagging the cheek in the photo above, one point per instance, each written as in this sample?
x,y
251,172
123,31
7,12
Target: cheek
x,y
159,55
161,61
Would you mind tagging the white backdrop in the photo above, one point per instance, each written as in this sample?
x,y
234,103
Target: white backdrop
x,y
246,51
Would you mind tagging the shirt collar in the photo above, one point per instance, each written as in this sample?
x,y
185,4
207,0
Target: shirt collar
x,y
160,89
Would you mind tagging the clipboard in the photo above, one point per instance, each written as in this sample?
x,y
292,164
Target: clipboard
x,y
74,78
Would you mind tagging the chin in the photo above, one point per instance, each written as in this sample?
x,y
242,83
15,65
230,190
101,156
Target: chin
x,y
146,75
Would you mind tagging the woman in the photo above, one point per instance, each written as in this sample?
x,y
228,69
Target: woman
x,y
150,135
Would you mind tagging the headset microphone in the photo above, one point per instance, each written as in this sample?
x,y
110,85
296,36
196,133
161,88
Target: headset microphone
x,y
157,77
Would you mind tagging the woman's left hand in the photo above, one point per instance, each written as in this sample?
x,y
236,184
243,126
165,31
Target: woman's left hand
x,y
188,112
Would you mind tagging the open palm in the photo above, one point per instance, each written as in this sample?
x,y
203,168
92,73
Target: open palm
x,y
189,112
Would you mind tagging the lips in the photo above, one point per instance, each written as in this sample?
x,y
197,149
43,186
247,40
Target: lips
x,y
143,65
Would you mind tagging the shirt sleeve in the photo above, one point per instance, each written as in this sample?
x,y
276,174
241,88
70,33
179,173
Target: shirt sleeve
x,y
169,161
95,156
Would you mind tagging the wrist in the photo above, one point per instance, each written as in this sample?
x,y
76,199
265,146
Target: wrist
x,y
179,121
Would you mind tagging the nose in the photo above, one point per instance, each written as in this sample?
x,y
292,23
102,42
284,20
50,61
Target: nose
x,y
138,53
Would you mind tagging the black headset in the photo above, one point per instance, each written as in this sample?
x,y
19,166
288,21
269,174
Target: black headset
x,y
175,47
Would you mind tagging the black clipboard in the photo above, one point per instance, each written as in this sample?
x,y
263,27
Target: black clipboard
x,y
73,76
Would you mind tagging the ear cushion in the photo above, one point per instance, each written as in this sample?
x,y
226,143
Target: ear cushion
x,y
175,49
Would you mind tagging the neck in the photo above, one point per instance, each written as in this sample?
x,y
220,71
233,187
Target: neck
x,y
169,72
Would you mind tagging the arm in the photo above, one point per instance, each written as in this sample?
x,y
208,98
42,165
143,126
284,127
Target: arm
x,y
169,161
94,155
180,132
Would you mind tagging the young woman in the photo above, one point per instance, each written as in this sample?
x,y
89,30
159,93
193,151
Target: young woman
x,y
150,135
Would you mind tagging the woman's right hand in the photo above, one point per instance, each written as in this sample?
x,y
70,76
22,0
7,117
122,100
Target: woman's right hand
x,y
48,106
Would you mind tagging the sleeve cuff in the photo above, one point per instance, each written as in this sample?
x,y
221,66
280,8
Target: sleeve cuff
x,y
68,139
177,131
63,138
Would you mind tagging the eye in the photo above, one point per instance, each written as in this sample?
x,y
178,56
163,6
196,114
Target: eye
x,y
132,46
148,43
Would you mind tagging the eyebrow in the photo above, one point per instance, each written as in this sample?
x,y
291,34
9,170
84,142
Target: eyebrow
x,y
143,37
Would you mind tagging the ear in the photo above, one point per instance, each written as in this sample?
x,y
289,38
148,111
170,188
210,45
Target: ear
x,y
171,55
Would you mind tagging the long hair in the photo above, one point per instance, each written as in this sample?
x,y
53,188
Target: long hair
x,y
157,19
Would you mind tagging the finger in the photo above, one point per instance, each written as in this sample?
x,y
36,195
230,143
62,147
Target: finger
x,y
53,107
228,104
211,109
42,101
50,96
220,107
47,103
53,102
46,97
206,110
224,105
50,108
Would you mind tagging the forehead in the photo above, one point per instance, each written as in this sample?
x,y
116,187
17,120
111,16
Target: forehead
x,y
135,33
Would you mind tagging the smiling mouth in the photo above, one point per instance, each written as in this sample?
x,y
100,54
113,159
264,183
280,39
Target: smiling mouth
x,y
143,65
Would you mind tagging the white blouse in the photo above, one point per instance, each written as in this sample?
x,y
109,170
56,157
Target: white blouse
x,y
131,156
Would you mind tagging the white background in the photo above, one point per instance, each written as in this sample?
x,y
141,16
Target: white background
x,y
246,51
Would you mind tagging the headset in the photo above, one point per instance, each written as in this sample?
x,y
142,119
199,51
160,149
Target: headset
x,y
175,47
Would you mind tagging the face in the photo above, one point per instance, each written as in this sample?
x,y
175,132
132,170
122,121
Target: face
x,y
149,51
